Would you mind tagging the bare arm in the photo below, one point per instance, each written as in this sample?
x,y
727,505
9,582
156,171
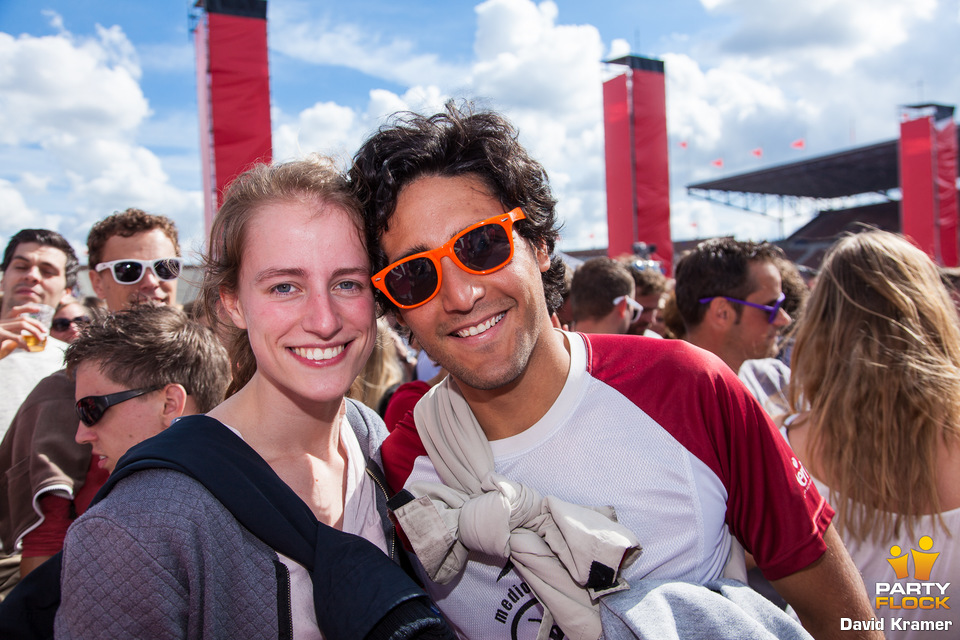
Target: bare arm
x,y
829,589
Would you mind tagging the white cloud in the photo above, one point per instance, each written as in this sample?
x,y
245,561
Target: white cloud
x,y
296,30
832,35
52,86
71,109
16,214
78,138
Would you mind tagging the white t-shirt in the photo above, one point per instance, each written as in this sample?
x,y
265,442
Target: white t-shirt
x,y
666,434
360,517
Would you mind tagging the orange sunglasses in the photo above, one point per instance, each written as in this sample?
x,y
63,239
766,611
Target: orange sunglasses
x,y
481,248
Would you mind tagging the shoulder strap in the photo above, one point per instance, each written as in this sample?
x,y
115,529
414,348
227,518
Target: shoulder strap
x,y
204,449
358,591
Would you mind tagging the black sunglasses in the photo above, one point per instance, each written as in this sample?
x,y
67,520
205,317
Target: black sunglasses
x,y
62,324
91,408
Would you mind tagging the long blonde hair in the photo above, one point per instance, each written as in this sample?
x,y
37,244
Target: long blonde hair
x,y
876,366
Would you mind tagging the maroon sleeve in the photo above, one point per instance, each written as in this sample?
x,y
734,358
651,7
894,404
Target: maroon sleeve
x,y
59,513
773,507
47,538
403,400
400,450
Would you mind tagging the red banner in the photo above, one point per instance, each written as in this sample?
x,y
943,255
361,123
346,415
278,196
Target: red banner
x,y
240,95
928,181
652,167
616,128
916,183
637,167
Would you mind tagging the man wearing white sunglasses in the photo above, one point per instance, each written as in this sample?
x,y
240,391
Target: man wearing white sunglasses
x,y
602,297
134,259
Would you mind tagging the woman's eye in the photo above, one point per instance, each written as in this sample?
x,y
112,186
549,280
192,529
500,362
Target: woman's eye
x,y
350,285
283,287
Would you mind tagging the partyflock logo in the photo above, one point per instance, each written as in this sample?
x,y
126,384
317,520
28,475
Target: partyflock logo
x,y
914,602
918,593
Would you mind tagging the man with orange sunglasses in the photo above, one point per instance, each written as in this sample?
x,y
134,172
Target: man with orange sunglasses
x,y
658,438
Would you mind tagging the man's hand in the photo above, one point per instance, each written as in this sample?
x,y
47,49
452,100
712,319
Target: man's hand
x,y
7,347
829,589
12,328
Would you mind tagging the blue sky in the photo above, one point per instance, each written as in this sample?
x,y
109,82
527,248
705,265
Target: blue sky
x,y
98,99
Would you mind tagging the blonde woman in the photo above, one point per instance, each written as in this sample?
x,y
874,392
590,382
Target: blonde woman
x,y
875,397
241,529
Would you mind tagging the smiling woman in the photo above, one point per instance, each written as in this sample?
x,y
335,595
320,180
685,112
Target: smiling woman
x,y
285,457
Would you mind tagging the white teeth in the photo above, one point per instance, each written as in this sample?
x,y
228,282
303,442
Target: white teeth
x,y
480,328
318,354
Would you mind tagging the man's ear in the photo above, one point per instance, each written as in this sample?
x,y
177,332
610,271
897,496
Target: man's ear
x,y
623,308
230,304
398,314
719,313
174,403
543,256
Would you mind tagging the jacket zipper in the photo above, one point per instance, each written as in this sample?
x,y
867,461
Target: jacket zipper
x,y
386,496
284,602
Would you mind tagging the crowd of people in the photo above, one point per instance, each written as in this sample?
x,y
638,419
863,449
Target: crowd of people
x,y
393,411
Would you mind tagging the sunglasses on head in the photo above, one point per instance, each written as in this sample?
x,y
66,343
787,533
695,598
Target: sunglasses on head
x,y
772,309
92,408
131,271
480,249
635,307
62,324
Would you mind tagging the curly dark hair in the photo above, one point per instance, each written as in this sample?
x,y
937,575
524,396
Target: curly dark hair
x,y
718,267
45,238
456,142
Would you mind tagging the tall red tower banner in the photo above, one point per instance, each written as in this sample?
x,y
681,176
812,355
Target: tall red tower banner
x,y
233,85
928,179
637,166
618,156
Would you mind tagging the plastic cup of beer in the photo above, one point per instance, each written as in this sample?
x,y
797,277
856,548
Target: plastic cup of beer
x,y
45,317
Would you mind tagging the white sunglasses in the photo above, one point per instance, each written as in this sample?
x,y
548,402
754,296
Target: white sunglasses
x,y
635,307
131,271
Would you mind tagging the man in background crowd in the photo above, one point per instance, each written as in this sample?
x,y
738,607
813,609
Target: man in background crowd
x,y
39,268
601,297
650,286
730,297
134,258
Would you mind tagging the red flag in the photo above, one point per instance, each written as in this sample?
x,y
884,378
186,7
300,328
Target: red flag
x,y
683,144
799,143
718,163
758,152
